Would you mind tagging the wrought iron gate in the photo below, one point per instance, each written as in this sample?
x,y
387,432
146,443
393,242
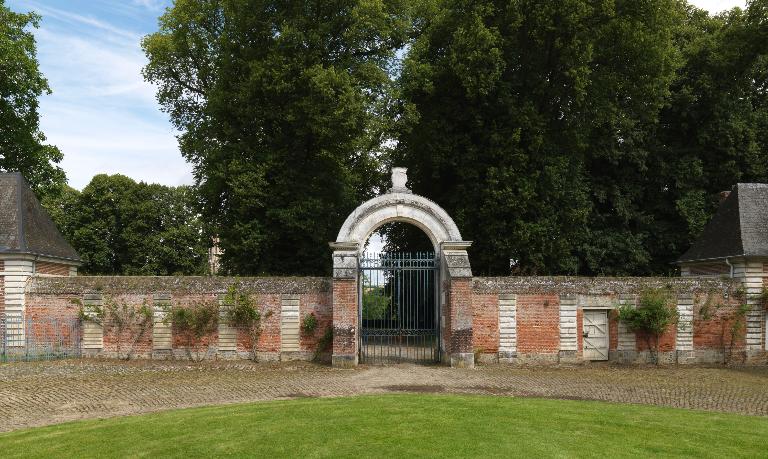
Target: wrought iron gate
x,y
399,312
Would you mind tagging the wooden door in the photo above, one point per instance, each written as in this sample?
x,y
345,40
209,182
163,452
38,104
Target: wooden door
x,y
595,333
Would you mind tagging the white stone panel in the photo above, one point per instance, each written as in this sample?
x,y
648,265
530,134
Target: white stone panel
x,y
568,323
507,324
684,338
289,323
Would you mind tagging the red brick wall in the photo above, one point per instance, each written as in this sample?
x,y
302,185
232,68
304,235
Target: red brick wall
x,y
52,320
270,308
538,324
471,316
344,316
318,304
180,340
55,269
41,308
485,323
125,339
666,341
613,331
716,332
580,331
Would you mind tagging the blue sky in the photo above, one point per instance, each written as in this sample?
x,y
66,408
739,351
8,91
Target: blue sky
x,y
102,114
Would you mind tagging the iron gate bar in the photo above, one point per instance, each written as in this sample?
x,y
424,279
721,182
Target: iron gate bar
x,y
398,314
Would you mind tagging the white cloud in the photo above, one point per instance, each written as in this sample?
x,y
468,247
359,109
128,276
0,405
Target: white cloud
x,y
97,141
73,18
153,5
102,114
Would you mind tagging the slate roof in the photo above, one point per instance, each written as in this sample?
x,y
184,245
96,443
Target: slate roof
x,y
739,227
25,226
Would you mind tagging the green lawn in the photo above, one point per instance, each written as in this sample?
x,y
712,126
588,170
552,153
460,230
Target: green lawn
x,y
403,425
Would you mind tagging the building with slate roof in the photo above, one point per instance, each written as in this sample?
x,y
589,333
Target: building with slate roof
x,y
30,244
735,244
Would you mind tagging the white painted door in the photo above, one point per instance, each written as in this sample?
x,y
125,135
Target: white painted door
x,y
595,332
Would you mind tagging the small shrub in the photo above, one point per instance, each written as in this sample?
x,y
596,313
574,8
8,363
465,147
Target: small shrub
x,y
194,322
655,313
324,343
309,323
243,313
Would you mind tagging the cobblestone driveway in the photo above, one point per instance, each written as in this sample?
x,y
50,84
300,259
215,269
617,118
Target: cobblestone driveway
x,y
33,394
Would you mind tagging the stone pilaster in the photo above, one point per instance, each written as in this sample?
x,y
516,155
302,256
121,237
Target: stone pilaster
x,y
345,317
684,335
507,327
459,314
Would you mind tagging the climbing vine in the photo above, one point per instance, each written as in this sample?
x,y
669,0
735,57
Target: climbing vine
x,y
193,322
654,314
243,313
119,317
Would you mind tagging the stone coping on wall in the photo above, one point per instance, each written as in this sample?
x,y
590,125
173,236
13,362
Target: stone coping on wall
x,y
174,284
274,285
596,285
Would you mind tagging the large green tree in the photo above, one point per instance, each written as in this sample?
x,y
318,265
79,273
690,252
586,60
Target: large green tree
x,y
712,132
282,107
122,227
527,120
22,144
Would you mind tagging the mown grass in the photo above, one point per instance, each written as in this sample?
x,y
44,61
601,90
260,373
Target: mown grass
x,y
401,426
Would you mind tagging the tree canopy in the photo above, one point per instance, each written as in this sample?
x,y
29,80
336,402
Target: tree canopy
x,y
22,144
283,108
122,227
583,137
569,137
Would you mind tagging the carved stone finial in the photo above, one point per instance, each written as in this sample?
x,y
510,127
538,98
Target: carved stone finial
x,y
399,180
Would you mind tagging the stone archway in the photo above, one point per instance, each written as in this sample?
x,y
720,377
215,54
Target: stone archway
x,y
399,204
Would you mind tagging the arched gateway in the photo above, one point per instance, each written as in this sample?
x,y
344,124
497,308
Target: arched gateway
x,y
451,274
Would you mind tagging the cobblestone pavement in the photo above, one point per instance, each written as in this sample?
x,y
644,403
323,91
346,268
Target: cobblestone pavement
x,y
34,394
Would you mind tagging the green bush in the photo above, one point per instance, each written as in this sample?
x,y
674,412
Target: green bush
x,y
375,303
194,322
309,324
655,313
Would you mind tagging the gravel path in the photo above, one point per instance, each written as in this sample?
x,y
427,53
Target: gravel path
x,y
41,393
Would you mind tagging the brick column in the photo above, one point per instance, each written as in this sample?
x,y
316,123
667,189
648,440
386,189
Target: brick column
x,y
458,316
345,326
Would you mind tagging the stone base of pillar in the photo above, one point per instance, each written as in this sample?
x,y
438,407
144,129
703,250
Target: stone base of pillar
x,y
755,356
507,357
344,360
463,360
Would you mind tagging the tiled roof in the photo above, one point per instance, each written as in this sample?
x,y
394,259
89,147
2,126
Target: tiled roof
x,y
739,227
25,226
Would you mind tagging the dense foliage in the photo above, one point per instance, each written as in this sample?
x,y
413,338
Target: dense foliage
x,y
282,107
119,226
22,144
579,136
570,137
